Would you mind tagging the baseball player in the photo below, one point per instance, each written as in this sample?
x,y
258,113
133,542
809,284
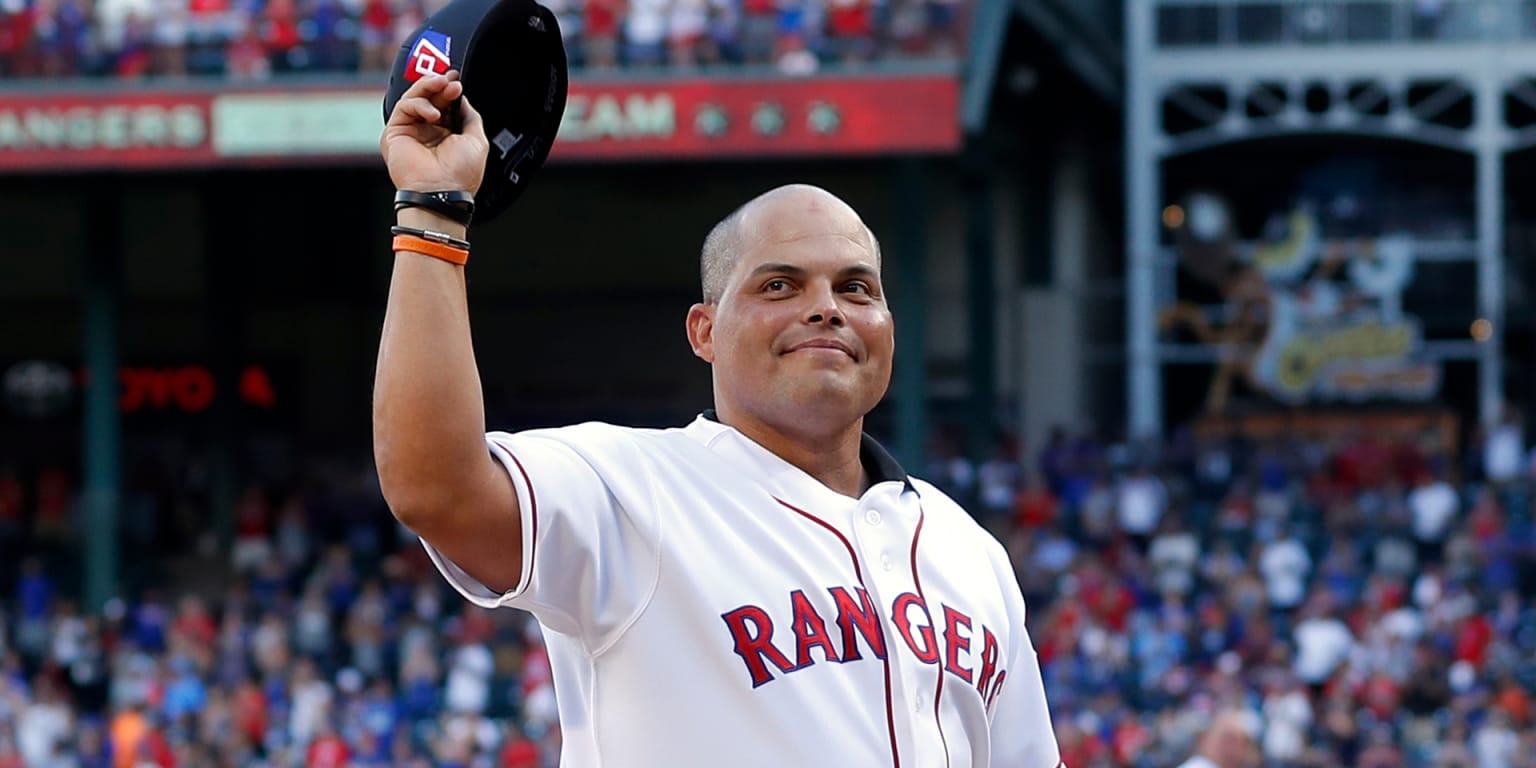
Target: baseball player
x,y
765,586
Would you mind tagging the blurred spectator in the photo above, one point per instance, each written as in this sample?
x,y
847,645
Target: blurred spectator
x,y
687,31
253,543
376,36
1226,744
600,32
645,32
43,724
1286,566
1504,449
1323,643
851,30
1140,502
1174,553
997,484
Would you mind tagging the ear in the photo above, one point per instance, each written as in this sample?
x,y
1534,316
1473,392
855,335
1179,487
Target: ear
x,y
701,331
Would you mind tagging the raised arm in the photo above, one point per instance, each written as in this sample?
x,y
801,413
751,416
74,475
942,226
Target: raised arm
x,y
435,470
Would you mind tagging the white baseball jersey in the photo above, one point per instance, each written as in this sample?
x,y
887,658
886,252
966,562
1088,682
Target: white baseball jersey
x,y
707,603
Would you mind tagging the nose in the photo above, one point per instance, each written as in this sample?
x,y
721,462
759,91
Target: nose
x,y
824,309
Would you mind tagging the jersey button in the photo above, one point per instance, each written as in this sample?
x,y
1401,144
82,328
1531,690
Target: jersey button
x,y
872,517
886,562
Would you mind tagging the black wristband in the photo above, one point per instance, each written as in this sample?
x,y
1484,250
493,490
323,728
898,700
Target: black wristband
x,y
457,205
427,234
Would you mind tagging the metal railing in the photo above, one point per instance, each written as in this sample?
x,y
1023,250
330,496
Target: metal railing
x,y
1249,23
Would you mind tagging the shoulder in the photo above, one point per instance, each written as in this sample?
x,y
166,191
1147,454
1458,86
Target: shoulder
x,y
948,512
956,521
593,436
605,447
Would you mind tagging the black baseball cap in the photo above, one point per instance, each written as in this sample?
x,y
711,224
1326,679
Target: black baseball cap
x,y
511,59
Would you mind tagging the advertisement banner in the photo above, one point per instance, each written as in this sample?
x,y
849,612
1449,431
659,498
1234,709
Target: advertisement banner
x,y
651,120
47,132
1307,316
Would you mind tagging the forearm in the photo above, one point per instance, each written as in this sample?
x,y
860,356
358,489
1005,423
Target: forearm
x,y
428,410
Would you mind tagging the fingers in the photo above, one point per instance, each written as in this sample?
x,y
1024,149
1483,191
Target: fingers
x,y
418,110
473,124
426,99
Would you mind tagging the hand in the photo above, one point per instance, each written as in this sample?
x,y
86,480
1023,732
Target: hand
x,y
421,152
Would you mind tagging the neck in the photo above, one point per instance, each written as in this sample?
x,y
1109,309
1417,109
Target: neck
x,y
830,457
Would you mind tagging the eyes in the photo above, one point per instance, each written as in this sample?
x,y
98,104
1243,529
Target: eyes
x,y
856,286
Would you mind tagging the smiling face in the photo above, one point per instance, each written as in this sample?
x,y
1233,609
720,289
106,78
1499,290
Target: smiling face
x,y
800,337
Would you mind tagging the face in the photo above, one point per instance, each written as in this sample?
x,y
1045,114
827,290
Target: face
x,y
1232,748
801,337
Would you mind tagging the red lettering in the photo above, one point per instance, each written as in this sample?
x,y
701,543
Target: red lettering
x,y
810,631
132,397
256,387
193,388
190,388
928,652
997,687
860,617
954,643
752,647
988,660
144,387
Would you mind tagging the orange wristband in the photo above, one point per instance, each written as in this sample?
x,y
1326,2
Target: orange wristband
x,y
436,250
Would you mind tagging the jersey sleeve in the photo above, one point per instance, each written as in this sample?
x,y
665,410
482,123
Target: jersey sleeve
x,y
590,537
1022,734
1021,727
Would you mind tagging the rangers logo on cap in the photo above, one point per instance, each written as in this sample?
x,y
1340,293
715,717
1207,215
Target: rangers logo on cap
x,y
429,56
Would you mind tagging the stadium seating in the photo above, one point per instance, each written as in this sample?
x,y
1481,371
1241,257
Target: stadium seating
x,y
1368,603
258,39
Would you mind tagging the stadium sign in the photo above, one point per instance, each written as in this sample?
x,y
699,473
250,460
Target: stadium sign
x,y
44,389
1308,317
700,118
118,131
272,125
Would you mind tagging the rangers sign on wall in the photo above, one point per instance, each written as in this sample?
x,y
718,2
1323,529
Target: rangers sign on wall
x,y
274,125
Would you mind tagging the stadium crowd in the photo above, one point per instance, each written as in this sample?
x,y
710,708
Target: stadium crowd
x,y
1361,600
253,39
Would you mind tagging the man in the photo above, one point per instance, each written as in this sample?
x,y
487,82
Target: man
x,y
1226,744
765,586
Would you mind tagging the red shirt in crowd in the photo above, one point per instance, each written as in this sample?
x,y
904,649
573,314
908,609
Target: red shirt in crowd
x,y
281,32
197,626
1362,464
603,18
1472,639
520,753
1036,507
1081,749
207,8
1382,695
328,751
378,18
849,18
250,717
1131,737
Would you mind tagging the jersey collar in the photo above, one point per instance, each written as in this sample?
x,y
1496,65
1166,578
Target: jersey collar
x,y
878,463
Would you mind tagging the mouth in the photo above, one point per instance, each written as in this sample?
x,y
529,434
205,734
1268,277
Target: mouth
x,y
822,346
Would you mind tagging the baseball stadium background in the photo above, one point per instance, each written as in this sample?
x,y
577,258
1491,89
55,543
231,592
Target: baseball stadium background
x,y
1218,312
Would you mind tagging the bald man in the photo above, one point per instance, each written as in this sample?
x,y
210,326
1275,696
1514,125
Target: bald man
x,y
764,586
1228,743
